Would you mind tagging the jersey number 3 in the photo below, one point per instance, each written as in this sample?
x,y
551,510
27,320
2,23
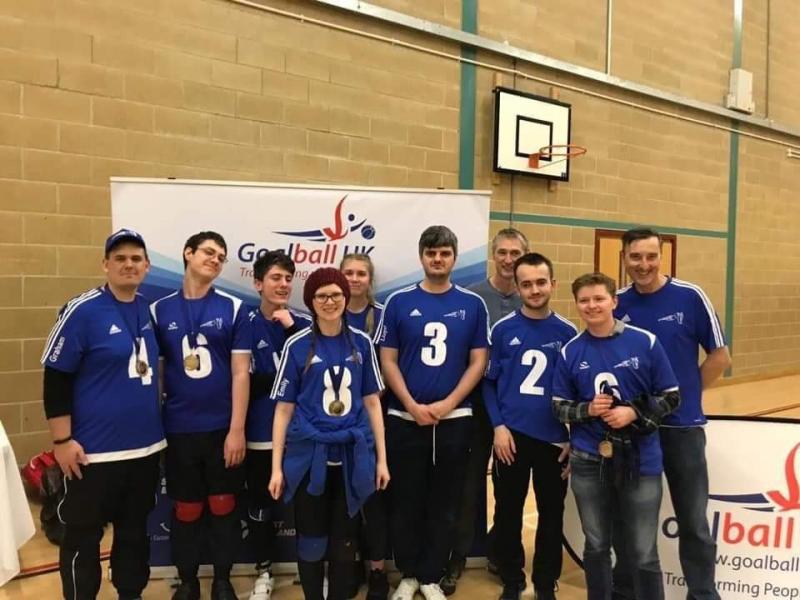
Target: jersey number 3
x,y
435,353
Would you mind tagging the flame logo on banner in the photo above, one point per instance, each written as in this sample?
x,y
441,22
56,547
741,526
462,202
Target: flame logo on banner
x,y
338,231
792,502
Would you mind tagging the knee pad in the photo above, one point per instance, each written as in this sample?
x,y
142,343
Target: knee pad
x,y
342,550
221,504
311,548
188,512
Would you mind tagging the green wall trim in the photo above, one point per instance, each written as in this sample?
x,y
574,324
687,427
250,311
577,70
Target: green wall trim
x,y
730,270
596,224
466,145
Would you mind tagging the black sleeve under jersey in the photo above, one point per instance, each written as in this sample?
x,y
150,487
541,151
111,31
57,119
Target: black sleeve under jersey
x,y
58,392
260,384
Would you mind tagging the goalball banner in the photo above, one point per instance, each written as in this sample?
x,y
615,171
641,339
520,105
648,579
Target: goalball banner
x,y
753,511
314,225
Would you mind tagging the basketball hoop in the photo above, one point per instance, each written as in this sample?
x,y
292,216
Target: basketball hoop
x,y
568,151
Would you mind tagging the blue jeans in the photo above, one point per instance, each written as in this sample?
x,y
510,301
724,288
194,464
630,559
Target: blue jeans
x,y
636,504
684,450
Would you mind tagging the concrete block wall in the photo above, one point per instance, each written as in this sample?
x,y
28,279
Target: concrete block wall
x,y
210,89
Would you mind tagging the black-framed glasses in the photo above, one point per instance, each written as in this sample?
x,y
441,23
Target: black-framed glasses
x,y
324,298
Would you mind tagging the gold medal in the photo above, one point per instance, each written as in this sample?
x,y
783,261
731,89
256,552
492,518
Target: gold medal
x,y
336,407
191,362
606,449
142,368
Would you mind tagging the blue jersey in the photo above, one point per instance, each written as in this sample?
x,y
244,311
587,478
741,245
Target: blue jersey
x,y
434,334
267,345
116,414
518,384
683,319
633,363
199,399
359,320
314,366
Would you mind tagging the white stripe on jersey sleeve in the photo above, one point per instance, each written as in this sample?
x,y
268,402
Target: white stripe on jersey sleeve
x,y
566,321
719,338
237,302
375,366
379,329
510,315
483,303
284,357
650,335
69,309
154,304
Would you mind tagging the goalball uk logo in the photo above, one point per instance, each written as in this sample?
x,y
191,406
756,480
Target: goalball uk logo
x,y
322,245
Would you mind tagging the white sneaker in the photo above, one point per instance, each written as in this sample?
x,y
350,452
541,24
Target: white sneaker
x,y
262,589
406,589
432,591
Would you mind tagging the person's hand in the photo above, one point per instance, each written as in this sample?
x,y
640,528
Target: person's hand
x,y
70,456
504,447
234,448
275,486
381,476
439,409
600,404
284,317
423,415
619,417
563,458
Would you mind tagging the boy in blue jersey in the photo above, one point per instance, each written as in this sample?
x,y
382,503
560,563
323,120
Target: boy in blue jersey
x,y
102,405
433,338
528,439
329,451
205,338
273,322
500,295
614,385
683,319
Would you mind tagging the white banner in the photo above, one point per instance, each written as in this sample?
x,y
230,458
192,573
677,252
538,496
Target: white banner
x,y
314,225
753,511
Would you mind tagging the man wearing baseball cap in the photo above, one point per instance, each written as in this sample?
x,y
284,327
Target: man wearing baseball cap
x,y
102,405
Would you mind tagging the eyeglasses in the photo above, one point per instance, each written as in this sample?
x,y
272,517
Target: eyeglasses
x,y
211,253
323,298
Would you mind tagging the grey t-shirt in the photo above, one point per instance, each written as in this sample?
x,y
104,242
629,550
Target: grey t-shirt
x,y
498,304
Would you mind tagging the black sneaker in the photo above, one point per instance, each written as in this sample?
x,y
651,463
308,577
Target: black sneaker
x,y
221,589
455,567
377,585
187,590
511,592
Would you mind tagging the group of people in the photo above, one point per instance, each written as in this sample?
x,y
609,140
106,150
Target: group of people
x,y
269,404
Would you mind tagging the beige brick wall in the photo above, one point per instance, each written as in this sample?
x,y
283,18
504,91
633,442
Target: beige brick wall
x,y
209,89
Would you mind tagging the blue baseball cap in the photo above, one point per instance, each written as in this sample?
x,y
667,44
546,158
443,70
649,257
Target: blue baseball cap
x,y
124,235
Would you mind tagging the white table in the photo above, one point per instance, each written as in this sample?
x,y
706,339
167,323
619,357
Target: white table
x,y
16,522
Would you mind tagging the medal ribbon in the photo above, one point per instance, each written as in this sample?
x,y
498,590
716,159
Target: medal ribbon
x,y
336,379
192,326
137,340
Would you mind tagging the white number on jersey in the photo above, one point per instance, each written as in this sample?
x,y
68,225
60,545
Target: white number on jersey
x,y
538,360
202,352
611,380
435,353
329,395
132,372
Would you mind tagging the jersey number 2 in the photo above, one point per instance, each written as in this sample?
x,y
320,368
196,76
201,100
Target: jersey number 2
x,y
537,360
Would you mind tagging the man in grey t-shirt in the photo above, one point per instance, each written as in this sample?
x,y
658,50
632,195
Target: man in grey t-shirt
x,y
500,294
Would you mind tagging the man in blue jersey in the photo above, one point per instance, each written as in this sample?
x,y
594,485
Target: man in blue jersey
x,y
614,385
272,324
528,439
683,319
499,292
101,402
433,338
205,338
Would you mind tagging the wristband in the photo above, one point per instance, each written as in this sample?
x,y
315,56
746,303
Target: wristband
x,y
62,440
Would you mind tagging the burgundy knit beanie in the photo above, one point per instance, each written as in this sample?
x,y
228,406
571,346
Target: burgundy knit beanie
x,y
321,278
